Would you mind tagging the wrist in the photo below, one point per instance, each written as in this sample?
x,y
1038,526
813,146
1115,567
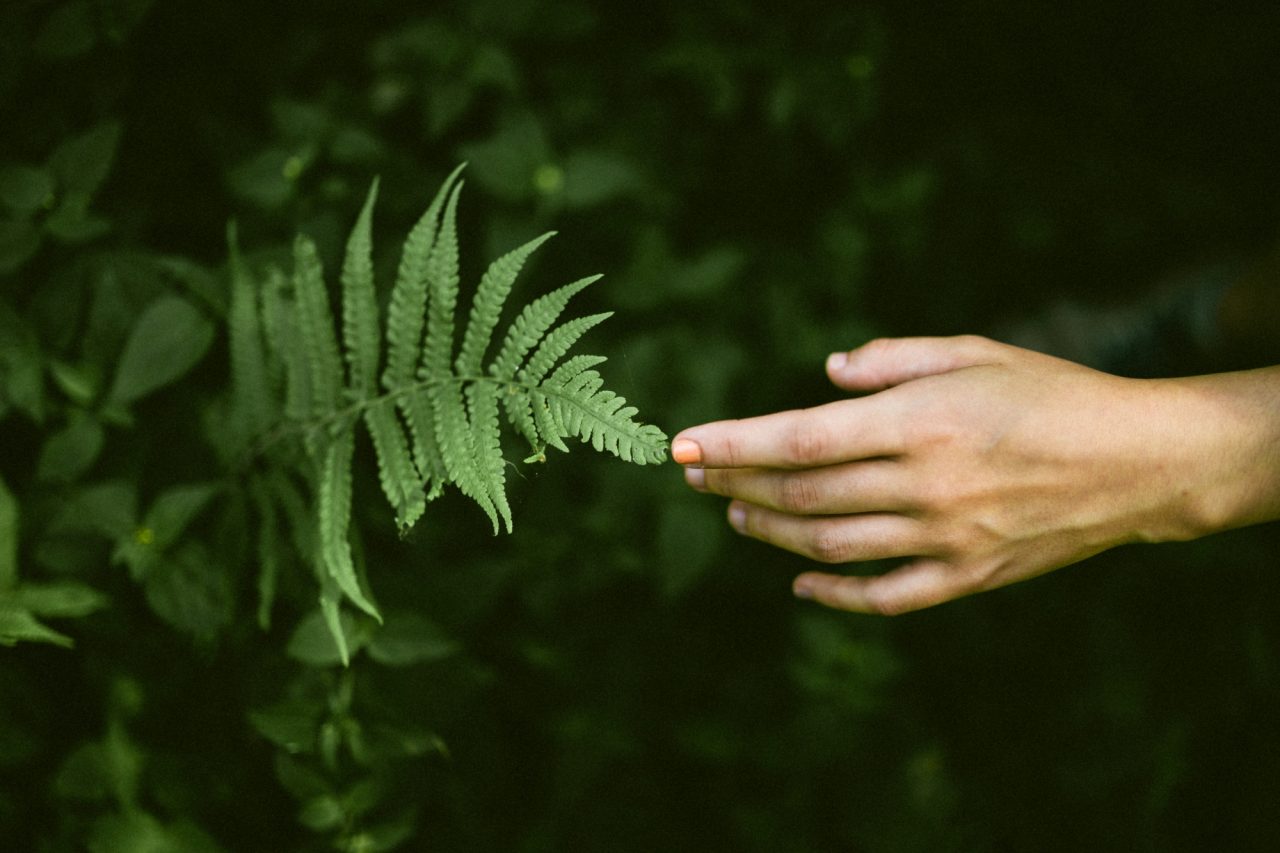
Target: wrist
x,y
1224,469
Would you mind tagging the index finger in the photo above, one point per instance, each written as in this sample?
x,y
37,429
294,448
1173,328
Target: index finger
x,y
843,431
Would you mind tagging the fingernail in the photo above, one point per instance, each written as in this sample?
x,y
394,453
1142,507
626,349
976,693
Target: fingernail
x,y
686,451
696,477
837,361
802,590
738,517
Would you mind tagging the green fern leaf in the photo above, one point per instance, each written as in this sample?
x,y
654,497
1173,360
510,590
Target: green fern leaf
x,y
280,313
515,402
315,324
250,385
603,419
360,334
427,455
528,328
556,344
458,447
491,295
573,368
331,611
550,429
408,304
334,517
482,404
396,471
269,551
442,279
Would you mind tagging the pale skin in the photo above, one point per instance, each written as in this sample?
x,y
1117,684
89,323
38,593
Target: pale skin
x,y
976,464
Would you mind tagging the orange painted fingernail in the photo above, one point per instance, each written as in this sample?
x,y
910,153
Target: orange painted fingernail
x,y
686,451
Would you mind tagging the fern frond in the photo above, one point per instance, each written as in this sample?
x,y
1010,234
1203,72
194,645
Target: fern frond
x,y
515,402
442,280
360,333
602,418
250,385
491,295
315,323
556,344
528,328
408,304
482,405
334,516
396,471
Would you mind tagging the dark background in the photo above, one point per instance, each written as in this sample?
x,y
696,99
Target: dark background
x,y
762,183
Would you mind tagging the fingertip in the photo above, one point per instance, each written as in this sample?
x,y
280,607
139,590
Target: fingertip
x,y
686,451
836,362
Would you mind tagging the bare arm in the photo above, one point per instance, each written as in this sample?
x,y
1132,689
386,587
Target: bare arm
x,y
979,464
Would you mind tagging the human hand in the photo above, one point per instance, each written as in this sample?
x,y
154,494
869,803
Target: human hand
x,y
982,464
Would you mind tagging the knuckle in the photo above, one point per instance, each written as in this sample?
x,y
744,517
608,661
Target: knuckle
x,y
797,494
828,545
807,443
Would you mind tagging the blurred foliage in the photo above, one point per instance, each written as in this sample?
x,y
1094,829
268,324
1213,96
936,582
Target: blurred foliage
x,y
761,183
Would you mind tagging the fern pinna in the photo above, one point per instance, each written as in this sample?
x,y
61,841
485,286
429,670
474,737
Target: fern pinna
x,y
432,413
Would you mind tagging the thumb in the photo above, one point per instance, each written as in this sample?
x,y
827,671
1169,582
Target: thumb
x,y
886,362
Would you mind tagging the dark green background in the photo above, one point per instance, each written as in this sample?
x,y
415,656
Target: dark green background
x,y
761,183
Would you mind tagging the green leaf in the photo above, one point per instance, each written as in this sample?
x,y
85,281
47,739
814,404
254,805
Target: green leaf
x,y
191,590
83,162
313,641
360,330
555,345
334,503
18,625
442,280
322,813
315,324
603,419
532,323
250,387
25,189
491,295
598,175
399,477
19,240
175,508
59,600
170,338
409,296
290,725
10,522
270,551
106,509
482,407
21,365
69,453
408,638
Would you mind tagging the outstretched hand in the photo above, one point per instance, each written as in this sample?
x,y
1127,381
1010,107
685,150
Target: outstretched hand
x,y
980,464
